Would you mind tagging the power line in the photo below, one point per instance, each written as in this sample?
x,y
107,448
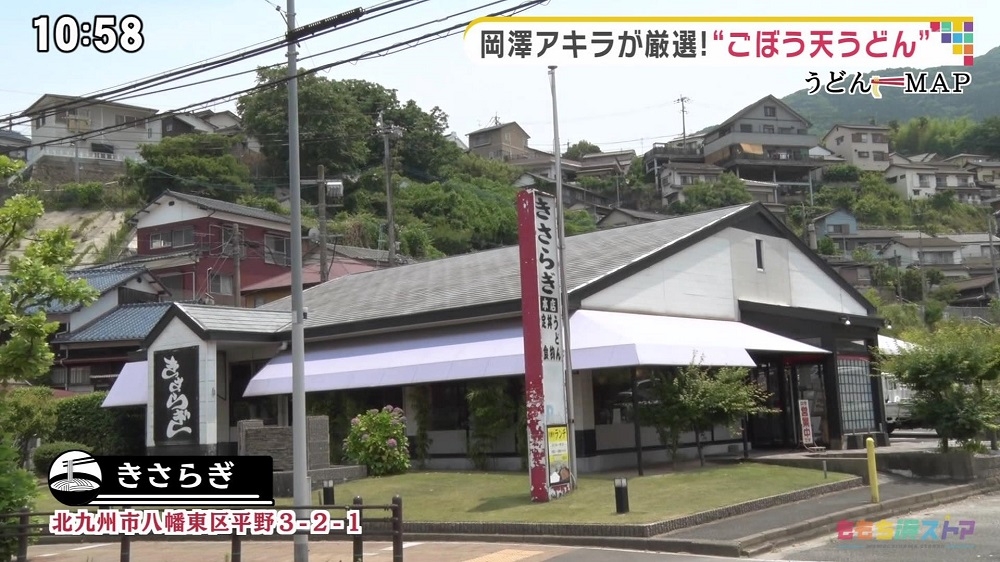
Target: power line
x,y
385,51
327,52
309,31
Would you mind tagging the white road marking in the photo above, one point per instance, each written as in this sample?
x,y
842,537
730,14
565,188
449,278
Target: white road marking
x,y
89,546
405,545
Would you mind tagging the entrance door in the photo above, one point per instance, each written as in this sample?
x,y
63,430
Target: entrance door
x,y
773,430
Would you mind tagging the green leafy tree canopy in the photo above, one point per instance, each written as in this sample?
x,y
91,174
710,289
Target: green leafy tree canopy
x,y
197,164
581,149
729,190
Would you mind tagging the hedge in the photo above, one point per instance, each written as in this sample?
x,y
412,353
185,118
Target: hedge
x,y
105,431
45,454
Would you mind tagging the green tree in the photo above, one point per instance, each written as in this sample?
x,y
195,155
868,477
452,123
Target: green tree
x,y
579,222
36,279
878,203
930,134
983,138
471,167
842,173
826,247
665,410
492,412
263,202
581,149
18,490
729,190
837,197
9,167
952,372
27,413
196,164
333,129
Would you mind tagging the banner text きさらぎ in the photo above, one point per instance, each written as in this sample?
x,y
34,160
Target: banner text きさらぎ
x,y
817,42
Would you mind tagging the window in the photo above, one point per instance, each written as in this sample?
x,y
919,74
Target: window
x,y
172,238
802,131
222,284
859,137
769,129
786,130
760,254
880,156
259,301
879,138
746,128
864,154
168,126
149,133
770,111
988,178
916,192
837,228
79,376
687,180
480,140
854,381
506,138
222,236
134,122
40,121
840,140
449,407
275,249
58,376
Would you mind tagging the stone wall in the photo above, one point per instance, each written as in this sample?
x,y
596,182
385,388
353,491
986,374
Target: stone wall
x,y
276,441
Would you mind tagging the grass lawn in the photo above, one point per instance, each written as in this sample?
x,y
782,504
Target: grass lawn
x,y
462,496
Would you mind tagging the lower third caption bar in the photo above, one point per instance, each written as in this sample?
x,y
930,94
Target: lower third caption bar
x,y
200,522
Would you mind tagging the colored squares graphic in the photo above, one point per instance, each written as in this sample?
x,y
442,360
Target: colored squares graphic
x,y
968,49
946,37
968,27
935,26
968,61
946,26
957,50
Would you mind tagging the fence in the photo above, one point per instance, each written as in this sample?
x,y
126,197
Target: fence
x,y
24,529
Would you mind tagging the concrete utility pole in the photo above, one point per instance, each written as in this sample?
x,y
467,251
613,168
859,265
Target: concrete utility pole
x,y
683,100
324,271
993,257
387,132
561,240
300,459
237,252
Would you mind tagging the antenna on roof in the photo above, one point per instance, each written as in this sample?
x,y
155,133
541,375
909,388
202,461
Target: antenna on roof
x,y
495,122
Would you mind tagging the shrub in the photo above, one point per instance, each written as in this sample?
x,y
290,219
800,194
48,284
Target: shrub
x,y
46,453
378,441
106,431
17,490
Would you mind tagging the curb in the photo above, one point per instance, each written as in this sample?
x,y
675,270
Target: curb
x,y
767,541
608,535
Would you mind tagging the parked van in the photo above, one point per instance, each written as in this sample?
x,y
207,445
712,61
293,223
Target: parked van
x,y
898,400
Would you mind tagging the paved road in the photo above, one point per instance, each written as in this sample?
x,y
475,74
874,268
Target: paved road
x,y
329,551
984,544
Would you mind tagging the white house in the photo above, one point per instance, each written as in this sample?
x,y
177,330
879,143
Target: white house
x,y
138,127
926,250
917,178
732,286
977,244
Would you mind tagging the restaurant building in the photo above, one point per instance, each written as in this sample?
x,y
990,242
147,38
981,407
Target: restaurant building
x,y
727,287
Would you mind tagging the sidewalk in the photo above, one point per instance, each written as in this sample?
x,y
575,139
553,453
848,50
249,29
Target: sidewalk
x,y
790,514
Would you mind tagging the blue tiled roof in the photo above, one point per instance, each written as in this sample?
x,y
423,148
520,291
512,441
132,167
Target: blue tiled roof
x,y
128,322
102,280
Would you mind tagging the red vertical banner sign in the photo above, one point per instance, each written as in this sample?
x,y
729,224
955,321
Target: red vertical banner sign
x,y
544,353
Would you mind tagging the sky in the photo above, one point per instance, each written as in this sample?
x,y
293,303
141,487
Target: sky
x,y
616,108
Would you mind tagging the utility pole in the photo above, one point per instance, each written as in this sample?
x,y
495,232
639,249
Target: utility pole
x,y
993,257
236,243
324,272
389,131
300,459
561,244
76,162
683,100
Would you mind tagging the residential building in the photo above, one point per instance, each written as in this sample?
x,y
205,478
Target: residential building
x,y
543,164
688,149
500,141
928,251
766,141
99,158
864,146
731,286
74,368
453,137
13,144
987,177
675,176
574,195
977,244
920,177
767,193
835,225
965,159
857,274
826,155
975,291
628,217
606,164
210,122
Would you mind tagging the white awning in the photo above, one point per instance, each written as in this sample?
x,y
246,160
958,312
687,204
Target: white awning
x,y
599,340
131,387
892,346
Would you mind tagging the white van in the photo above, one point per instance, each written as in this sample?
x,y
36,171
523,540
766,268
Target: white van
x,y
897,404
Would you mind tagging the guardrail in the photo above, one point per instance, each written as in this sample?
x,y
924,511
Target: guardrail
x,y
20,525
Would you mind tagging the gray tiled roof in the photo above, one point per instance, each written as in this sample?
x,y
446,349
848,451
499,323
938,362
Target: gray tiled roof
x,y
232,319
102,280
14,136
227,207
137,261
641,214
485,277
128,322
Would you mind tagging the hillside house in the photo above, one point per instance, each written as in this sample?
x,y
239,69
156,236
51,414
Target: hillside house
x,y
606,164
836,225
13,144
977,244
685,149
766,141
95,159
864,146
675,176
210,122
975,292
939,253
76,366
575,196
628,217
501,141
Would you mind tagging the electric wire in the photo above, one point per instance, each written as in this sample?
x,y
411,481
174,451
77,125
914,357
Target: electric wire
x,y
95,99
381,52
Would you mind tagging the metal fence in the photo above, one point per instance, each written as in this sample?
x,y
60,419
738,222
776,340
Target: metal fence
x,y
23,527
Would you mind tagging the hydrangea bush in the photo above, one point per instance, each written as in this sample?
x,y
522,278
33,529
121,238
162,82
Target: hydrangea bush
x,y
378,441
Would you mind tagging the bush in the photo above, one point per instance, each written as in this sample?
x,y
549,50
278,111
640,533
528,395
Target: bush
x,y
46,453
106,431
378,441
17,490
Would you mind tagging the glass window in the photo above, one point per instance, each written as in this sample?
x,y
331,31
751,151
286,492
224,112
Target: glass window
x,y
857,410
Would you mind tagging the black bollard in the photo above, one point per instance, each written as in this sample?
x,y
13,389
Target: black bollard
x,y
359,542
621,495
328,493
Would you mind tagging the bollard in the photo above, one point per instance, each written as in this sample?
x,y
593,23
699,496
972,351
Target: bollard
x,y
236,549
359,543
872,470
824,470
328,493
621,495
23,530
126,550
397,529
